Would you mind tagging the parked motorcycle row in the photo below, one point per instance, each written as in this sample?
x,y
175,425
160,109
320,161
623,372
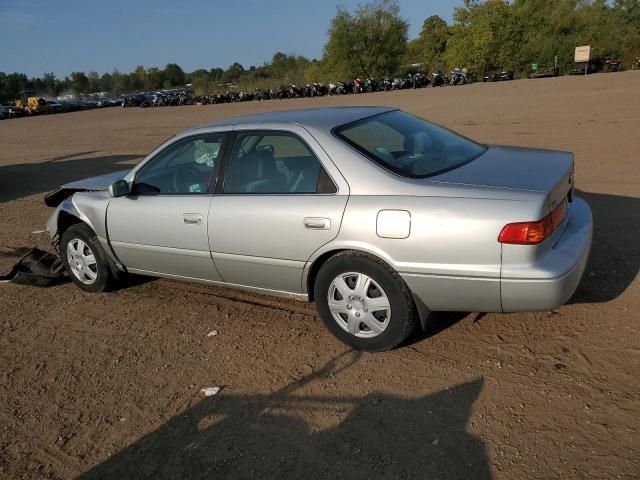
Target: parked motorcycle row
x,y
166,98
357,86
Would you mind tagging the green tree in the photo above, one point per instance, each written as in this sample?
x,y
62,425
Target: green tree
x,y
156,78
139,78
174,76
369,42
233,73
430,45
216,73
106,80
484,37
285,66
121,82
79,83
50,83
94,82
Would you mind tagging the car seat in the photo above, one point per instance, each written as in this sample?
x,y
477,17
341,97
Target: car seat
x,y
266,177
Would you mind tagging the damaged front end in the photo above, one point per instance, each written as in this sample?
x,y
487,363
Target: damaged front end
x,y
80,201
101,182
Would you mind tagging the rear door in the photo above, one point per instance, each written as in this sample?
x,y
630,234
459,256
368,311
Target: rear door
x,y
281,200
161,228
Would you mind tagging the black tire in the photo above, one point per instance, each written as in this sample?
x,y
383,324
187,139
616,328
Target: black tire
x,y
403,313
104,276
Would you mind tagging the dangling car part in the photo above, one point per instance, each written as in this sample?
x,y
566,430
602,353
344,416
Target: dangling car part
x,y
37,268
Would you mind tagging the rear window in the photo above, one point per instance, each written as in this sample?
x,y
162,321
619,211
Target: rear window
x,y
408,145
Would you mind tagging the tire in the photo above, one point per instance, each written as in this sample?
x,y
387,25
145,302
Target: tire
x,y
90,276
372,330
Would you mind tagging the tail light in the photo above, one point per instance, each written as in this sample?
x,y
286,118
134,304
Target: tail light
x,y
532,233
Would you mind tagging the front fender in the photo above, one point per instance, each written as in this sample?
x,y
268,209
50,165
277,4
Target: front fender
x,y
54,223
89,208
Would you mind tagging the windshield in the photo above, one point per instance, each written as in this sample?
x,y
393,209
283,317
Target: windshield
x,y
407,145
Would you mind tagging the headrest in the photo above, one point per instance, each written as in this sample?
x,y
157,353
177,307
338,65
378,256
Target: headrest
x,y
417,143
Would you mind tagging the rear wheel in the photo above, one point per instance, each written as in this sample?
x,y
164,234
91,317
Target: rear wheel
x,y
85,259
364,302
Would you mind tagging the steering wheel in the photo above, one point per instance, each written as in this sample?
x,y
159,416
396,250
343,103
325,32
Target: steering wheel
x,y
185,176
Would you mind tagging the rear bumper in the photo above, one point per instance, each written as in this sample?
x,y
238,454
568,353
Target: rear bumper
x,y
553,279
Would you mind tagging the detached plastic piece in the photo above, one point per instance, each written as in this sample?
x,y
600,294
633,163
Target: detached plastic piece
x,y
210,391
37,268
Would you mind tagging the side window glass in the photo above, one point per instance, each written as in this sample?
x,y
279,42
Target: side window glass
x,y
182,168
273,162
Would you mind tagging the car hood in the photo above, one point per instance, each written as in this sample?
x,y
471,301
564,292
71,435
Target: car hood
x,y
101,182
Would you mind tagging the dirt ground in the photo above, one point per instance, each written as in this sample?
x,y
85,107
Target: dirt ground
x,y
108,386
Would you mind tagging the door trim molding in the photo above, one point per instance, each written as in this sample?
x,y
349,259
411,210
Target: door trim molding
x,y
161,249
277,262
266,291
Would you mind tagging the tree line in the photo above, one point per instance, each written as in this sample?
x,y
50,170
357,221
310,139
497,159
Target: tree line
x,y
372,41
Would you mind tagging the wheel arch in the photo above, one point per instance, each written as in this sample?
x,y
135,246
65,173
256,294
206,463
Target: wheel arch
x,y
66,220
69,215
315,267
321,257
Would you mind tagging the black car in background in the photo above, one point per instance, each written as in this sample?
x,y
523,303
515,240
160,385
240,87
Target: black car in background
x,y
498,76
9,110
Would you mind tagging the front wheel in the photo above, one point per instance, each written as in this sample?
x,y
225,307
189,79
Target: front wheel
x,y
85,260
364,302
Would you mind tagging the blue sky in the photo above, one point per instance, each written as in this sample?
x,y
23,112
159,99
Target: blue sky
x,y
38,36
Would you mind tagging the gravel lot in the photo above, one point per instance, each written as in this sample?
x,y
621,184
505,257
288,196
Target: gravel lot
x,y
108,386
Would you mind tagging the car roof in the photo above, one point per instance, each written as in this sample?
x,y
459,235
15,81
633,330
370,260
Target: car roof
x,y
324,118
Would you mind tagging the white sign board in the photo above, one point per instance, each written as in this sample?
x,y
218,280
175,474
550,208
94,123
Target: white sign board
x,y
583,54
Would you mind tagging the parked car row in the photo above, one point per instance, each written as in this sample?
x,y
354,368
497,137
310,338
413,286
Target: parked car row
x,y
10,110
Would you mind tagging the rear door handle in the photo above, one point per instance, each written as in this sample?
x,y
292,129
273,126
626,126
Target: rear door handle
x,y
317,223
192,218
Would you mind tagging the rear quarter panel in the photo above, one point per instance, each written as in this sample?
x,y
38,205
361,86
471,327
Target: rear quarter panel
x,y
451,258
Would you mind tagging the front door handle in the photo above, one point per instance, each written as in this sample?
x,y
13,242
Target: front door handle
x,y
317,223
192,218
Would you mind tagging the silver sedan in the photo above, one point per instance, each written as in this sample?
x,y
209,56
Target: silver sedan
x,y
378,216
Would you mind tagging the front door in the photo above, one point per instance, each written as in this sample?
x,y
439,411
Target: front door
x,y
161,228
276,207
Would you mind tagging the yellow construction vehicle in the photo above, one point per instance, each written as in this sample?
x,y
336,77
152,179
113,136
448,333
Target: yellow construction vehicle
x,y
31,104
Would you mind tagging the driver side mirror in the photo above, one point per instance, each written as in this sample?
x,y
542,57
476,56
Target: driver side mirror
x,y
119,189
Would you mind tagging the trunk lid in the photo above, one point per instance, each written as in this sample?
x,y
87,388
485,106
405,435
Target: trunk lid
x,y
518,168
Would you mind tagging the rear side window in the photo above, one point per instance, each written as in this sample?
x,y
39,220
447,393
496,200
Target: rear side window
x,y
276,163
407,145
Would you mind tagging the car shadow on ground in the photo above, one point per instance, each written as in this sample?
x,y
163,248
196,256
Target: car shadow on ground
x,y
267,436
615,254
438,322
22,180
